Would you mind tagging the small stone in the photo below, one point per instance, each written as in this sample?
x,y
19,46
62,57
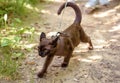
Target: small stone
x,y
85,75
33,69
30,63
76,80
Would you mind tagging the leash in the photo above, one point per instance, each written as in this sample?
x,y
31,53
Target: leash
x,y
60,24
62,34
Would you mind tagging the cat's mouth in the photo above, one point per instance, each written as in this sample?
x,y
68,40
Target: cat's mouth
x,y
43,54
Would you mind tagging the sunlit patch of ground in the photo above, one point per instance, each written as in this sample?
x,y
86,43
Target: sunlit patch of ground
x,y
100,65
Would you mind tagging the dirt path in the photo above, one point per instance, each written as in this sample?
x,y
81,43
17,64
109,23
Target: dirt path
x,y
102,65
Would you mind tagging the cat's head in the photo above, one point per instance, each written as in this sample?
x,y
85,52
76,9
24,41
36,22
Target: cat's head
x,y
47,46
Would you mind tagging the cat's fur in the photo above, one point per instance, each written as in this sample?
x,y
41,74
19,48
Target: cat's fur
x,y
64,44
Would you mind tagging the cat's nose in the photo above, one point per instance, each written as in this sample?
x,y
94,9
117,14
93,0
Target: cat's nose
x,y
41,54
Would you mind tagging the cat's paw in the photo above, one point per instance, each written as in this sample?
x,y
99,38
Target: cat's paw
x,y
90,47
64,65
40,75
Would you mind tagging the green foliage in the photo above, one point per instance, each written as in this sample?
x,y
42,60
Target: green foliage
x,y
12,37
7,41
8,67
14,9
12,42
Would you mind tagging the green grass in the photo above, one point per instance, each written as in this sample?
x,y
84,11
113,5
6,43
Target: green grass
x,y
8,67
14,35
12,49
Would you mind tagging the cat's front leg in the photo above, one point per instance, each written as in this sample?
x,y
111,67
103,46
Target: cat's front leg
x,y
46,64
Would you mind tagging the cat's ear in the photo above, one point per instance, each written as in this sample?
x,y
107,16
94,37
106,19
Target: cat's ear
x,y
43,35
54,42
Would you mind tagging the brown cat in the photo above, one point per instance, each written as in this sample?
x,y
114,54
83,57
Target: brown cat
x,y
65,42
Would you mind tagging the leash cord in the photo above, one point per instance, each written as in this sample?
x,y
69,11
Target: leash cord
x,y
62,15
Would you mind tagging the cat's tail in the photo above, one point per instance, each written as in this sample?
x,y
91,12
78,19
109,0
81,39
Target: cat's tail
x,y
76,9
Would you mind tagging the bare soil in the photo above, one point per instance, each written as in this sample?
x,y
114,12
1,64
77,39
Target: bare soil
x,y
101,65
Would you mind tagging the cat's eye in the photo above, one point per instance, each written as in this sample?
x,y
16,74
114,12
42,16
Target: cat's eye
x,y
38,47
